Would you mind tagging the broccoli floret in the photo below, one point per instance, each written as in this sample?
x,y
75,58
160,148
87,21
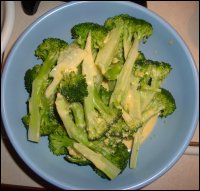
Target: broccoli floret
x,y
113,71
110,114
50,46
74,87
120,156
74,156
49,119
114,151
59,141
110,52
98,160
104,94
68,61
25,120
64,110
108,151
30,75
48,51
163,104
97,114
134,30
98,32
121,129
151,73
155,102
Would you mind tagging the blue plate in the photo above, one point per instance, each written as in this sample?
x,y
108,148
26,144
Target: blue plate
x,y
170,137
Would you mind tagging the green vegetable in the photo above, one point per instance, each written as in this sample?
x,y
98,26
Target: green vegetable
x,y
99,161
98,115
48,51
134,30
114,152
59,141
98,33
68,61
92,94
30,75
74,87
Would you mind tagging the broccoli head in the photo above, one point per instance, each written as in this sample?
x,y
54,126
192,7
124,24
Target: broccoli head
x,y
134,31
151,73
163,104
59,141
74,156
80,33
74,87
49,46
48,51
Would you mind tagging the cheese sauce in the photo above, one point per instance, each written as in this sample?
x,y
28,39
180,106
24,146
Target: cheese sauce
x,y
148,128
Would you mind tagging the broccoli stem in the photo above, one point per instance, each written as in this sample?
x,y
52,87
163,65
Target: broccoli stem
x,y
106,54
36,96
78,114
63,108
106,112
123,81
98,160
127,45
96,125
135,148
146,98
68,61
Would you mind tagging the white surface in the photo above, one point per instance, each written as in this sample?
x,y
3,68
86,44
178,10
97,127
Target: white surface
x,y
8,23
184,17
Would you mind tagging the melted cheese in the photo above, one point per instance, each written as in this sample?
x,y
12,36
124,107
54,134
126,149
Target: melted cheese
x,y
148,128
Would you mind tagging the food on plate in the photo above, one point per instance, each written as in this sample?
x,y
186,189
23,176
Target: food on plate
x,y
95,93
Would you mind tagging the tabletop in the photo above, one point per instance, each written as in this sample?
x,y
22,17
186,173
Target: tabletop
x,y
184,175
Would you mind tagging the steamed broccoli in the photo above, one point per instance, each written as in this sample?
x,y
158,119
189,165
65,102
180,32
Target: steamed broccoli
x,y
98,33
91,95
48,51
110,153
25,120
98,160
76,157
68,61
49,120
98,115
111,52
151,73
74,87
105,44
121,129
104,94
61,144
64,110
59,141
134,30
162,104
30,75
78,114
